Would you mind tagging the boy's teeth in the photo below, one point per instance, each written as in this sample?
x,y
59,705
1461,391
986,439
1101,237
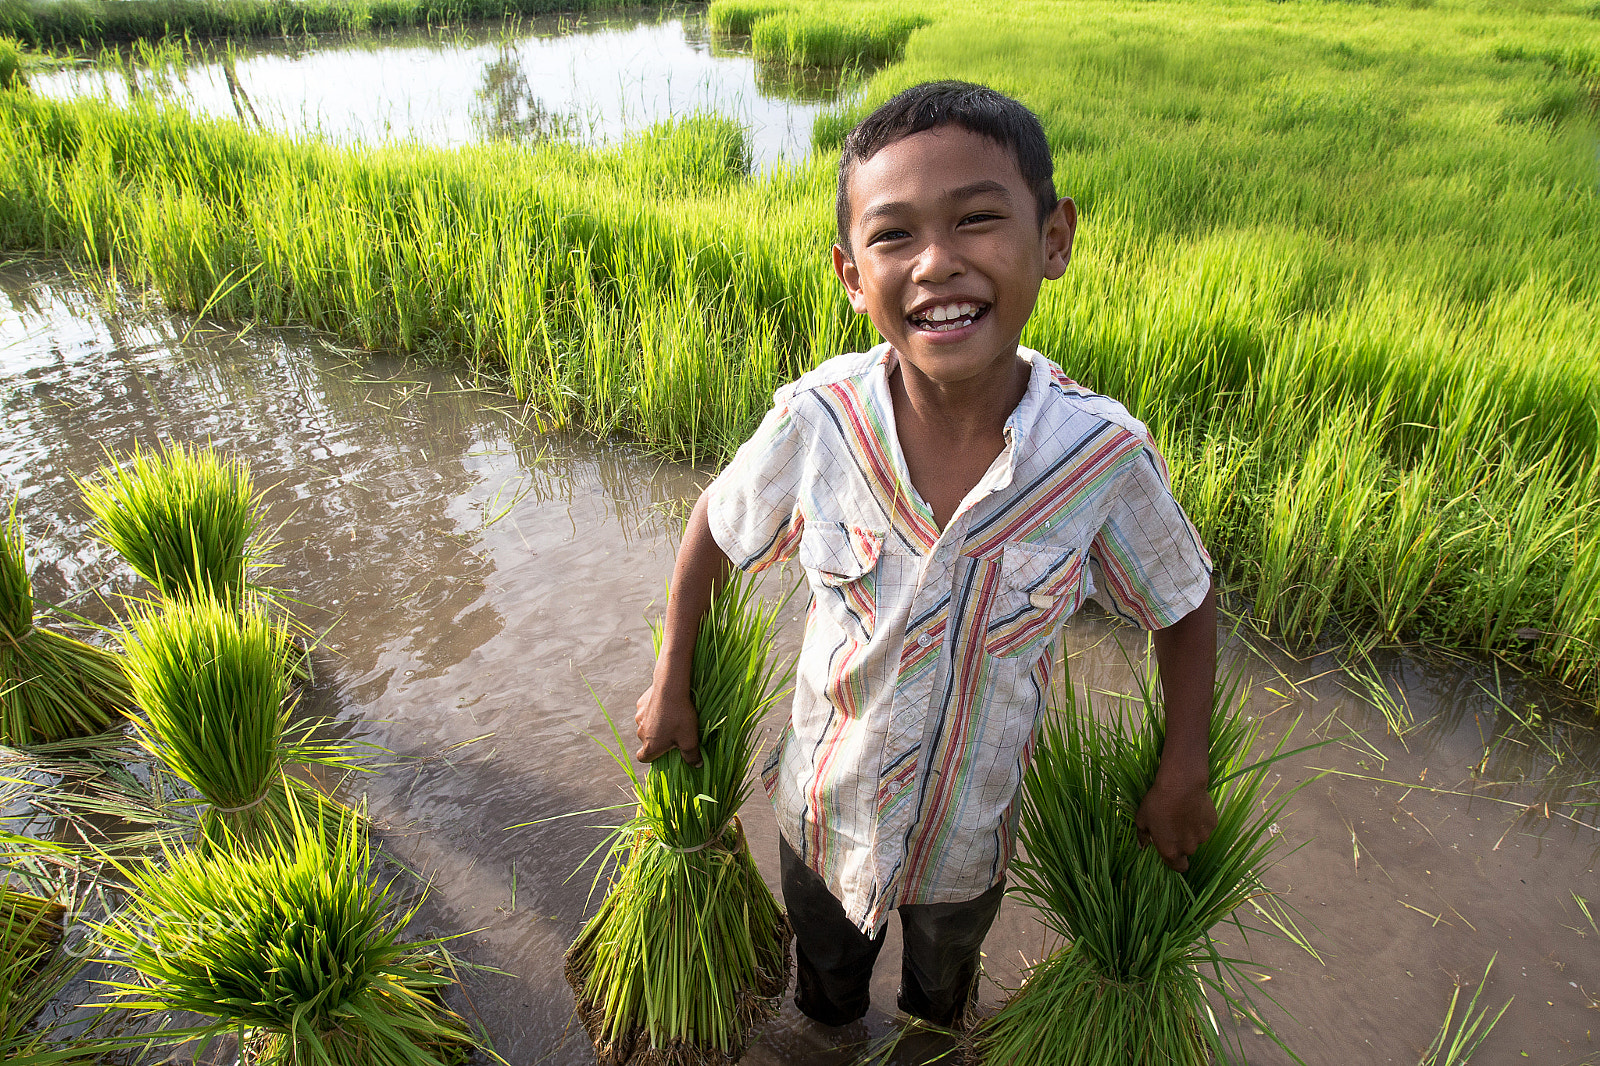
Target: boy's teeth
x,y
949,316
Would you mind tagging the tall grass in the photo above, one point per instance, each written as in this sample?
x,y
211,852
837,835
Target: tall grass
x,y
296,945
1353,293
689,949
11,73
1131,982
183,517
78,23
822,38
52,686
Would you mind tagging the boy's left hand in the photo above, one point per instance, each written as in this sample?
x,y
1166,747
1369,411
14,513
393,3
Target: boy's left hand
x,y
1177,818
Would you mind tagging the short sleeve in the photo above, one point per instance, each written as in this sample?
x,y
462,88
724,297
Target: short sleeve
x,y
754,508
1146,561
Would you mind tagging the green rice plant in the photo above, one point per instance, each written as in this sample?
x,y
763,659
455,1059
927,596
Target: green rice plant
x,y
52,686
11,74
295,945
740,16
183,517
1131,984
1456,1048
817,37
689,949
212,683
30,929
32,973
1285,216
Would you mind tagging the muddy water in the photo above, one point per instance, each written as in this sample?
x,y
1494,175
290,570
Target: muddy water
x,y
595,77
481,585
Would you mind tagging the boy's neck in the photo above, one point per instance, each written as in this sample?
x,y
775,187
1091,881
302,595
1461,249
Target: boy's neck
x,y
951,433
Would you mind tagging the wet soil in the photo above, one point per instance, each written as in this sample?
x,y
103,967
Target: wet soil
x,y
484,589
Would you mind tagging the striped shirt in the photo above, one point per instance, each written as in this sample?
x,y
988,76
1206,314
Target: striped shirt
x,y
926,659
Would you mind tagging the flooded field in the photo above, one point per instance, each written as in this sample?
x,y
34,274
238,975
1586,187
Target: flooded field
x,y
595,77
482,584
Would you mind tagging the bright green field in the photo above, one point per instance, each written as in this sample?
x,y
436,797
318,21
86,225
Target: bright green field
x,y
1342,258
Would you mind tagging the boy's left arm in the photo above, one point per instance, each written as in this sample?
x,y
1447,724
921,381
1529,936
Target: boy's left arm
x,y
1177,814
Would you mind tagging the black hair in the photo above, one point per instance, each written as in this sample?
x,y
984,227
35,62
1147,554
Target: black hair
x,y
975,108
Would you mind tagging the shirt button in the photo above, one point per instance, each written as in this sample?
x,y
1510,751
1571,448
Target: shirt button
x,y
924,640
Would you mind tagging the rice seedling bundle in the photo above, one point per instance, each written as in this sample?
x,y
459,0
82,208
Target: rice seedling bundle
x,y
689,949
213,687
52,686
183,517
30,929
1131,982
295,944
32,973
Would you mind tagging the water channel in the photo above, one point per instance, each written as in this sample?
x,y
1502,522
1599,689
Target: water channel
x,y
595,77
477,580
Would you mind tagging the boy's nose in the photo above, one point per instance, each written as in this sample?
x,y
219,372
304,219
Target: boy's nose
x,y
938,261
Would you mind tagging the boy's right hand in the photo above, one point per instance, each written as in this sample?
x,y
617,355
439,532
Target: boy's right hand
x,y
667,720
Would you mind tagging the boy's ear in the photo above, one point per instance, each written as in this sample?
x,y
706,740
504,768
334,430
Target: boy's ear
x,y
850,276
1059,229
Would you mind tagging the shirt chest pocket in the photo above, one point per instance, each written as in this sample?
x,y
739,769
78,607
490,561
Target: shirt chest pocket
x,y
840,562
1038,587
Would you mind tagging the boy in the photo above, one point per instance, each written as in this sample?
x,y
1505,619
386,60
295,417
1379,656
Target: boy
x,y
952,499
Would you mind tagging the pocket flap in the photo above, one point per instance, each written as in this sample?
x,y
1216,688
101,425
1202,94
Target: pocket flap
x,y
1044,575
838,551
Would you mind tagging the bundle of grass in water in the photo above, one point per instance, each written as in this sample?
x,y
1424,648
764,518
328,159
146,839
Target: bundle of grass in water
x,y
32,973
295,945
1130,985
689,949
212,684
184,518
52,686
30,929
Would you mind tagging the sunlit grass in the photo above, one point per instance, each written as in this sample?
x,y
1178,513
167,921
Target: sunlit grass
x,y
212,685
1339,257
184,517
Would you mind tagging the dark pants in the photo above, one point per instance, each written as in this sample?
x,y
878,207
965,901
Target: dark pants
x,y
938,965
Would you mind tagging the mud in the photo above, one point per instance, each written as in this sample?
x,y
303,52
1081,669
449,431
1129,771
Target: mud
x,y
594,77
484,590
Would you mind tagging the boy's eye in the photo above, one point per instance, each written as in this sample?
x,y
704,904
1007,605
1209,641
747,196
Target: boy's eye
x,y
980,216
887,235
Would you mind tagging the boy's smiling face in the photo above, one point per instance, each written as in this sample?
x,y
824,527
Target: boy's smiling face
x,y
948,253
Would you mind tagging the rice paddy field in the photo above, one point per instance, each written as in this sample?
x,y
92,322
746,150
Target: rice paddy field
x,y
1338,256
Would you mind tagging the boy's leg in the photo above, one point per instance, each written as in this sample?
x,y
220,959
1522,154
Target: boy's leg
x,y
939,968
833,958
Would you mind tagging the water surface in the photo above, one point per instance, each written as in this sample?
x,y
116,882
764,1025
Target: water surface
x,y
594,77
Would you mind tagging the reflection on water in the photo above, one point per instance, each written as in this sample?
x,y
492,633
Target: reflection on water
x,y
599,77
484,589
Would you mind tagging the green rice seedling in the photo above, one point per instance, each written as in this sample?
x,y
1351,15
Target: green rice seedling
x,y
689,948
52,686
740,16
30,929
213,687
11,74
1458,1041
32,973
295,945
183,517
823,38
1130,985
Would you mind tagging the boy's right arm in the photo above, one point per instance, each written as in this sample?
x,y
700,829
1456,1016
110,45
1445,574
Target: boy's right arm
x,y
666,717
